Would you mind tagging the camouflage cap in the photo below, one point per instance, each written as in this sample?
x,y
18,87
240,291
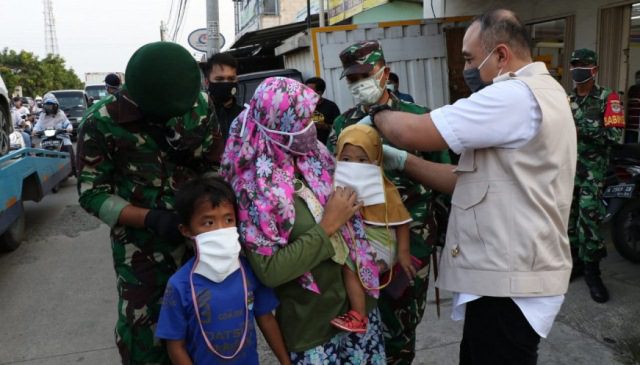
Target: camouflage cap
x,y
360,58
584,55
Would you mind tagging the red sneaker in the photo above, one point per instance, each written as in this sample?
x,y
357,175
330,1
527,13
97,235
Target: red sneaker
x,y
351,321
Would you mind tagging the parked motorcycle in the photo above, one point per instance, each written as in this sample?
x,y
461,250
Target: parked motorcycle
x,y
622,198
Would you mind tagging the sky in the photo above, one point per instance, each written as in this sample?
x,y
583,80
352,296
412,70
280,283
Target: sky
x,y
100,36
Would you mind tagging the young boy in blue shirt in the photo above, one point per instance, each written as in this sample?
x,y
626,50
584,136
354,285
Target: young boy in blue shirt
x,y
219,283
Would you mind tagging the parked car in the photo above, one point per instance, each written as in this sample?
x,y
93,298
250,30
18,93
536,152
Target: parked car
x,y
6,124
73,103
247,83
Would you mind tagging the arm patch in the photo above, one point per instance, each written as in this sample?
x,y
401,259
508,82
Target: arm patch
x,y
613,112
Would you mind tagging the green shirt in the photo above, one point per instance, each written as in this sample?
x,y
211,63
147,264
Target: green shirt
x,y
304,316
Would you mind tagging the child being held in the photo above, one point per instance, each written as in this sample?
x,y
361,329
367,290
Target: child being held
x,y
210,302
387,222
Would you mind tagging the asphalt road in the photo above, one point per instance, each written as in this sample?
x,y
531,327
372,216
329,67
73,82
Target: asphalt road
x,y
58,302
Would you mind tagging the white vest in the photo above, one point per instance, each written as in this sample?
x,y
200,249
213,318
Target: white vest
x,y
507,233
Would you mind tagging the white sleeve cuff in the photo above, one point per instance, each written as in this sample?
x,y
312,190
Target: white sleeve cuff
x,y
446,130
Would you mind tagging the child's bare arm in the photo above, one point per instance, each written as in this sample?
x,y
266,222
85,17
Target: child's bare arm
x,y
271,331
178,352
404,254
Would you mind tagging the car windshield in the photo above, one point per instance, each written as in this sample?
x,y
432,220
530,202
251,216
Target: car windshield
x,y
96,91
70,100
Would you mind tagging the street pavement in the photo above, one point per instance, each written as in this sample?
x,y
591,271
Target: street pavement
x,y
58,302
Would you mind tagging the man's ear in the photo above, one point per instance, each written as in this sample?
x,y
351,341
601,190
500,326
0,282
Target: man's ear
x,y
185,230
504,55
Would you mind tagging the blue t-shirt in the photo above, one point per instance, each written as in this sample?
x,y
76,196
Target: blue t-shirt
x,y
222,311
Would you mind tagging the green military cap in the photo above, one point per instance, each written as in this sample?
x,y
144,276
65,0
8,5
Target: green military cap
x,y
584,55
360,58
163,79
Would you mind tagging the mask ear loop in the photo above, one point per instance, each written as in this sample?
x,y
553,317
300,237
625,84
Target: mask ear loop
x,y
244,120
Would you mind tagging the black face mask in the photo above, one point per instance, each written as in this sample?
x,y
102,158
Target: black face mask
x,y
473,80
581,74
221,92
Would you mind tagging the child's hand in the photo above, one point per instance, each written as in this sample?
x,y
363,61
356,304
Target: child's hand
x,y
404,259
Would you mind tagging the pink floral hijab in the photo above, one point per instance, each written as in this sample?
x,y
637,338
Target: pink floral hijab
x,y
260,166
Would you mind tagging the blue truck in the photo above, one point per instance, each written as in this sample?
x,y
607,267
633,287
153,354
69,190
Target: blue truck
x,y
25,174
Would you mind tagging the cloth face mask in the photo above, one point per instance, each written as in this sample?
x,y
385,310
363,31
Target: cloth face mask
x,y
300,143
217,253
220,92
367,91
581,75
366,179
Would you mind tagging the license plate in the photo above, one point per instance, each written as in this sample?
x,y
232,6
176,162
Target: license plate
x,y
619,191
51,143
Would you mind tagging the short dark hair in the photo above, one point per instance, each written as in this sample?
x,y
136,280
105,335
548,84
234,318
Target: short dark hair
x,y
220,59
503,26
193,192
17,98
393,77
321,86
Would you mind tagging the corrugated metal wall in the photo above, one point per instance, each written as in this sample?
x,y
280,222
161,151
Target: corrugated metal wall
x,y
417,53
301,60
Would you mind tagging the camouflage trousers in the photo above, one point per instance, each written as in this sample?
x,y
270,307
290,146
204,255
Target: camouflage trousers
x,y
143,266
586,215
401,316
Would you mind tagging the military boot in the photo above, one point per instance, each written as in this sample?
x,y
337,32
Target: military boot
x,y
592,277
578,266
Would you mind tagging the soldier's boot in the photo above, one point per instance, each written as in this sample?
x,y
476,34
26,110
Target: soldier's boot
x,y
578,266
592,277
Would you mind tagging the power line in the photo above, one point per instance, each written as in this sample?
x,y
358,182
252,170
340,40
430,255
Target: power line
x,y
179,17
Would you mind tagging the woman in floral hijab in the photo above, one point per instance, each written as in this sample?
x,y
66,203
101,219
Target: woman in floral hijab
x,y
294,226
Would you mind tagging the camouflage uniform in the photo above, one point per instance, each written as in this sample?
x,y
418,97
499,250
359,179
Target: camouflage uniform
x,y
401,316
599,118
121,163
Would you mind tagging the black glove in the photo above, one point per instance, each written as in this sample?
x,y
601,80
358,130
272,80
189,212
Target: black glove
x,y
375,109
164,223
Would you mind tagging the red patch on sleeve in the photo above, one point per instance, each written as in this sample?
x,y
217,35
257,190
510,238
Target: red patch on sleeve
x,y
613,113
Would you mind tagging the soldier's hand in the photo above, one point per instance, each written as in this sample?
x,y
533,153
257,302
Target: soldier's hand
x,y
164,223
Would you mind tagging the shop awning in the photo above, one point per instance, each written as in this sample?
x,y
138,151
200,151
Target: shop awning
x,y
272,37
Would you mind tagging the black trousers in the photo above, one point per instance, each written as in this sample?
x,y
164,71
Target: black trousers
x,y
497,333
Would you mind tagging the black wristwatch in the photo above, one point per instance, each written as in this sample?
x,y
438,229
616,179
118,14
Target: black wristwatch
x,y
375,109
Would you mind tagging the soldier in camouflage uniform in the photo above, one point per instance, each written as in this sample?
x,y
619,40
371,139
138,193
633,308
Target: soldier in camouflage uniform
x,y
365,69
135,150
599,122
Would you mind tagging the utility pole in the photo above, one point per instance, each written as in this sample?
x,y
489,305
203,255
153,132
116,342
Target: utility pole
x,y
163,31
321,12
213,28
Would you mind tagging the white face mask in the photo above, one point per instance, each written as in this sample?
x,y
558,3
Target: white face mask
x,y
368,91
300,143
366,179
217,253
391,87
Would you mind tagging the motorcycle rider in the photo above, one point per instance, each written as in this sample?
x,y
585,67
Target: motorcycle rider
x,y
19,114
112,83
54,118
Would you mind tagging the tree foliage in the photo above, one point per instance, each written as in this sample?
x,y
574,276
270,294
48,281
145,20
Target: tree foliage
x,y
36,76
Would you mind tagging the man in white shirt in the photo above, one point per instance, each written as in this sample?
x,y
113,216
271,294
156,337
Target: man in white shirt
x,y
518,154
